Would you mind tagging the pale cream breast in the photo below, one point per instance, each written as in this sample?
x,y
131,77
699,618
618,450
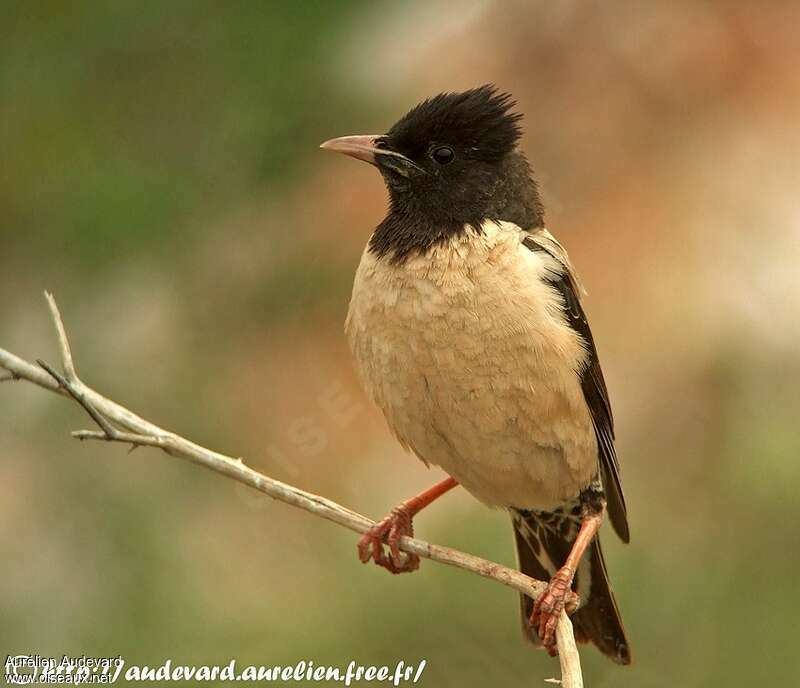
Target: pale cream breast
x,y
466,351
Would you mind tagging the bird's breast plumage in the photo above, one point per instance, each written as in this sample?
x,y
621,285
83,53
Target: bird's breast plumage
x,y
466,350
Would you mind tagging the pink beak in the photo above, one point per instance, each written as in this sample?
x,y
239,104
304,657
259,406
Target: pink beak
x,y
360,147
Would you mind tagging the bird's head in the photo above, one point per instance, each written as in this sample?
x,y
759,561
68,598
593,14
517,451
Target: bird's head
x,y
451,161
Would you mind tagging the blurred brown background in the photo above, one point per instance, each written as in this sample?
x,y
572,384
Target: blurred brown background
x,y
160,174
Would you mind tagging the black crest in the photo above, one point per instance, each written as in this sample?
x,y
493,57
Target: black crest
x,y
480,121
455,162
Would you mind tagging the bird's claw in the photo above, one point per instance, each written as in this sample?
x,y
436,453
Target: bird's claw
x,y
549,605
389,531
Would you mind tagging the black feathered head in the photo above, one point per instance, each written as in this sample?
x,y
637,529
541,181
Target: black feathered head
x,y
477,125
451,161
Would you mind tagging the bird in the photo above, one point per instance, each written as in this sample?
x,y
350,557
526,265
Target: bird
x,y
468,331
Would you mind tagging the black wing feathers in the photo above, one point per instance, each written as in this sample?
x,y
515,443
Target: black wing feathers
x,y
596,395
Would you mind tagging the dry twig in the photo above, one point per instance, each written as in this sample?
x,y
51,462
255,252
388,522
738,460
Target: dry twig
x,y
118,424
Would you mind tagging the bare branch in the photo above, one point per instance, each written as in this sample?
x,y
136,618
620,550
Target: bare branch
x,y
571,676
137,431
22,370
117,436
108,430
63,341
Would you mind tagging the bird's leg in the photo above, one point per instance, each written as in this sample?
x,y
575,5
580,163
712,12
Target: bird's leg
x,y
559,595
398,523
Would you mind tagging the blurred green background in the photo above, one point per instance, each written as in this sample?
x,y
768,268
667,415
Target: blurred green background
x,y
159,173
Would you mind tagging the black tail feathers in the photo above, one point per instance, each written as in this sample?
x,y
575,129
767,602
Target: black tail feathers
x,y
543,543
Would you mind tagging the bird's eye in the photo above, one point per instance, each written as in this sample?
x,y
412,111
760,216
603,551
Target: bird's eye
x,y
444,155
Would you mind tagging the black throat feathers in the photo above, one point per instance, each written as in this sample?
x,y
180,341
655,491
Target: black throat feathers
x,y
423,216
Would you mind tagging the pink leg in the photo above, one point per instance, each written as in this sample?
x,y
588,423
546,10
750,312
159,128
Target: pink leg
x,y
398,523
558,596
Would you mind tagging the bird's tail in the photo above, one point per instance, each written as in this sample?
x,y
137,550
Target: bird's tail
x,y
543,543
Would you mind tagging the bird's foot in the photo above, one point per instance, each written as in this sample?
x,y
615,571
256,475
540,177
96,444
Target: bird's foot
x,y
549,605
389,531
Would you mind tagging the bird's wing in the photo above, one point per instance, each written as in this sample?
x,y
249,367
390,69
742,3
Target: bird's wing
x,y
592,382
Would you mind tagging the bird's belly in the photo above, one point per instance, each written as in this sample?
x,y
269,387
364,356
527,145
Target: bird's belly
x,y
475,379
